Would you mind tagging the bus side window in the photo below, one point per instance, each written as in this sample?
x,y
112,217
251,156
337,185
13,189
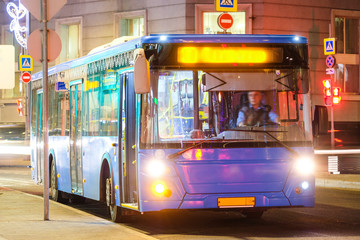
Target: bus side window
x,y
63,113
109,112
91,111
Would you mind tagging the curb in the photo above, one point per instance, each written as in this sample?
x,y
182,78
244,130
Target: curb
x,y
119,226
338,184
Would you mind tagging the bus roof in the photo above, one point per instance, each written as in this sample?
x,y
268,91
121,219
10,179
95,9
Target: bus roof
x,y
223,38
173,38
105,53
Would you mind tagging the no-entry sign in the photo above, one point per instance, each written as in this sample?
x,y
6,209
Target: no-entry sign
x,y
225,21
26,77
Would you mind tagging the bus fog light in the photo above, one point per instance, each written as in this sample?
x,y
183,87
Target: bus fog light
x,y
159,188
305,185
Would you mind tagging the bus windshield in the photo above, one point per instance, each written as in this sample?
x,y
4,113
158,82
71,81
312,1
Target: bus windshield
x,y
234,107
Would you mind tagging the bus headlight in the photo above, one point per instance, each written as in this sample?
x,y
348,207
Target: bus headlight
x,y
156,168
305,165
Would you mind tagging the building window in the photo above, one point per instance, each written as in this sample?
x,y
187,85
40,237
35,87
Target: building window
x,y
69,31
210,25
347,35
130,24
345,28
206,20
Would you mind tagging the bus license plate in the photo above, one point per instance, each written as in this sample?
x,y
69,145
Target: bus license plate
x,y
236,202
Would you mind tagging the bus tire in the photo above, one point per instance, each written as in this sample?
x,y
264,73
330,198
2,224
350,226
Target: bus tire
x,y
56,195
114,211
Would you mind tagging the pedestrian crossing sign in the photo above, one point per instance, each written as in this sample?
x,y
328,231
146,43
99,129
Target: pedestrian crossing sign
x,y
25,63
226,5
329,46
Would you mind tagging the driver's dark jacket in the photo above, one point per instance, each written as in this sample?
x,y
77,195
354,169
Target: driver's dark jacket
x,y
251,117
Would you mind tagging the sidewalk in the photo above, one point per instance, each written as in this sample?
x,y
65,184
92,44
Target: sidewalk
x,y
22,214
339,181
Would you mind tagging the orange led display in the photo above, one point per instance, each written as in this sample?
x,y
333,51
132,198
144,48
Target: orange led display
x,y
229,55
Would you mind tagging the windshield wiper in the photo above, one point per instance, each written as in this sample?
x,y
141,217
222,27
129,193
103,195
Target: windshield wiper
x,y
221,84
287,75
177,154
270,135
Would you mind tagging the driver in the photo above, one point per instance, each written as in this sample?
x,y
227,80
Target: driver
x,y
256,114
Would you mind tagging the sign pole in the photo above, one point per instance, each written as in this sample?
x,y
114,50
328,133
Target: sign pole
x,y
332,117
47,9
329,49
45,104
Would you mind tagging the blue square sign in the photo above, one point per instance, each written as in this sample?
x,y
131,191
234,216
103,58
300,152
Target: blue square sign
x,y
25,63
226,5
329,46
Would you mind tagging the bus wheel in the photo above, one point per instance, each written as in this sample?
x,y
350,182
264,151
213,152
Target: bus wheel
x,y
56,195
115,211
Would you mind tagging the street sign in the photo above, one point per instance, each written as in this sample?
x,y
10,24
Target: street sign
x,y
330,61
330,71
34,7
329,46
7,66
25,63
26,77
226,5
34,45
225,21
60,86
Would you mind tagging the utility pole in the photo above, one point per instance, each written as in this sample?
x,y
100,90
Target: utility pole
x,y
44,54
43,12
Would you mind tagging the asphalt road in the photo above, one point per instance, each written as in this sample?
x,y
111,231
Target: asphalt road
x,y
336,215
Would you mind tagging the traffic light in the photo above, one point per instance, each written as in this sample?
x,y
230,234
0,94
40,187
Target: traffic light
x,y
20,107
327,92
336,95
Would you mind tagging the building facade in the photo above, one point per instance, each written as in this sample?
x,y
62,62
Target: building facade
x,y
86,24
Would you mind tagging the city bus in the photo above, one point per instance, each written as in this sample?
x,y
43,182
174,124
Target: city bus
x,y
152,124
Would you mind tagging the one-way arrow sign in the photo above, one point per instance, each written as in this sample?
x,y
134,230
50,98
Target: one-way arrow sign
x,y
330,71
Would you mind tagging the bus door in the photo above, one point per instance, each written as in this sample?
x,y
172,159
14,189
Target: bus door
x,y
127,141
75,137
39,136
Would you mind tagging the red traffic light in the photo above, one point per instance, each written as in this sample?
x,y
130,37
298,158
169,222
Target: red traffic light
x,y
327,83
336,95
327,89
327,92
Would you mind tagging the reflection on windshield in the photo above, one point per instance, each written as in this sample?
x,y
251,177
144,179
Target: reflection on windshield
x,y
272,103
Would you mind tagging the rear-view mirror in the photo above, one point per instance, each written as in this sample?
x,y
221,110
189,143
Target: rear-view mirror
x,y
141,72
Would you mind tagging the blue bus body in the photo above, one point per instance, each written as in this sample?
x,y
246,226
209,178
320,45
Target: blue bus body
x,y
227,173
103,136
